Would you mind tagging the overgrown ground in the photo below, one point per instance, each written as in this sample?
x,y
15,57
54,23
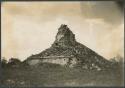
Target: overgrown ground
x,y
54,75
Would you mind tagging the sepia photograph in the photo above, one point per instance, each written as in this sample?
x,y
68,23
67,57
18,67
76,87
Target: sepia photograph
x,y
62,44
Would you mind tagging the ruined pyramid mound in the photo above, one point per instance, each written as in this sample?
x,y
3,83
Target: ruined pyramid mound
x,y
66,46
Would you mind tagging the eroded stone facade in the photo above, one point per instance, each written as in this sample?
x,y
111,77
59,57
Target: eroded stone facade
x,y
61,61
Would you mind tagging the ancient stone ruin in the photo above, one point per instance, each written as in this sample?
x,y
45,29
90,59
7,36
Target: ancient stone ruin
x,y
66,51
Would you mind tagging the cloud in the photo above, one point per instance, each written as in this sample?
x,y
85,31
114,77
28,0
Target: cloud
x,y
108,11
30,27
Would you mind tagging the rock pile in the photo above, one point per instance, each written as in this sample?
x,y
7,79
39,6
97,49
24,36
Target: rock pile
x,y
65,45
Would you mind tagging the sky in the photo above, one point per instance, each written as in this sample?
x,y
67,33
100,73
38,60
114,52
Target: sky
x,y
30,27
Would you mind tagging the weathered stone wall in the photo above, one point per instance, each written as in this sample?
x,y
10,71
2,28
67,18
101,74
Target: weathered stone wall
x,y
61,61
34,62
72,62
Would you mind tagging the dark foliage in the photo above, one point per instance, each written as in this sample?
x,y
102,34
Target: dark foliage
x,y
3,62
54,75
14,62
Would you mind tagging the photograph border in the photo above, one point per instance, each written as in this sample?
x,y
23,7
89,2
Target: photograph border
x,y
122,2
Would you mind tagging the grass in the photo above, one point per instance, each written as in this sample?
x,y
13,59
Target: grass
x,y
55,75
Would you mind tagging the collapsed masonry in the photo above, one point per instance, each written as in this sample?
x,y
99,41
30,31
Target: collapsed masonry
x,y
66,51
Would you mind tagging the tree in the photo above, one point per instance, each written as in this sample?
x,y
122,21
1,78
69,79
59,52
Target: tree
x,y
3,62
14,62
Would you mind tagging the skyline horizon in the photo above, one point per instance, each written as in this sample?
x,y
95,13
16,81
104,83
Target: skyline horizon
x,y
117,55
29,28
